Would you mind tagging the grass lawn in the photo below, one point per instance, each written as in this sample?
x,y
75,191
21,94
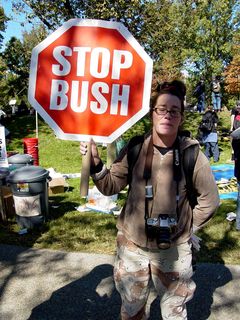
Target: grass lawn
x,y
68,229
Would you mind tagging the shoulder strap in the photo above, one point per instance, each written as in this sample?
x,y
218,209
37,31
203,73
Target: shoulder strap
x,y
133,149
189,160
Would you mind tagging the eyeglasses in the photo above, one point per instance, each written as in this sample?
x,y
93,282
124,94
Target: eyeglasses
x,y
163,111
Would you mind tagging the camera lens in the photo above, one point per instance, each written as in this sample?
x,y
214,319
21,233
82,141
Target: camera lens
x,y
163,239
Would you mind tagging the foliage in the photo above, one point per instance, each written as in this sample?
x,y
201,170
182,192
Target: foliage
x,y
54,13
15,63
3,20
3,67
212,28
201,44
232,71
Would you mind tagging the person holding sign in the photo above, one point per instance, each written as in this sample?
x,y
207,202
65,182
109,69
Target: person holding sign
x,y
156,225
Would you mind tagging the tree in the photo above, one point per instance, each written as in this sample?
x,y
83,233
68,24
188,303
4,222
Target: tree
x,y
232,71
210,37
16,61
3,21
178,34
54,13
142,18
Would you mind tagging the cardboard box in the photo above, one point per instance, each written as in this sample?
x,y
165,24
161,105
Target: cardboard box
x,y
56,185
7,209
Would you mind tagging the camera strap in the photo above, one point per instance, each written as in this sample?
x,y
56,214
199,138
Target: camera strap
x,y
177,174
147,175
148,172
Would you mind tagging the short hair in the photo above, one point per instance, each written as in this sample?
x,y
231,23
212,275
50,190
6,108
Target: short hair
x,y
176,88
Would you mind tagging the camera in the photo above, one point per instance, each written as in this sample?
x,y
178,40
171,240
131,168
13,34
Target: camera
x,y
160,229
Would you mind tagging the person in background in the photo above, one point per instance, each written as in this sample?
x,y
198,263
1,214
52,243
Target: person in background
x,y
216,94
148,248
235,117
235,122
199,93
209,134
235,135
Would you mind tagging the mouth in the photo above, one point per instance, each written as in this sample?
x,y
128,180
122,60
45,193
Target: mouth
x,y
166,124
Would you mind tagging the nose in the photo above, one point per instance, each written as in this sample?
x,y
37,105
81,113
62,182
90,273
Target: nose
x,y
168,114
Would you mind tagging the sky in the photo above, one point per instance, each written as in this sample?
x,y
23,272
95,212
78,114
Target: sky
x,y
16,26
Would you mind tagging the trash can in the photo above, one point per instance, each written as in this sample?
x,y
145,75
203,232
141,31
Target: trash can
x,y
4,172
20,160
30,146
29,185
6,199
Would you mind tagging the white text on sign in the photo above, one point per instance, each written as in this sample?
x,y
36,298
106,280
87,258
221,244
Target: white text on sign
x,y
101,64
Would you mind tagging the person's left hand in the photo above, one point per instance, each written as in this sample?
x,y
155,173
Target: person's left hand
x,y
95,159
195,241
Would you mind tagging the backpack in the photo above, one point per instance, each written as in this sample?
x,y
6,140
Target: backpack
x,y
207,123
189,158
197,92
200,88
236,123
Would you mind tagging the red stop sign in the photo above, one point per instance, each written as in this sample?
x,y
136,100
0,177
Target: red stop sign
x,y
90,78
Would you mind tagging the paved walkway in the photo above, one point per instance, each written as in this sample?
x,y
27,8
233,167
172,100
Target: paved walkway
x,y
49,285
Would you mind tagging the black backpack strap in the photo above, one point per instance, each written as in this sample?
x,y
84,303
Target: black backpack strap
x,y
189,159
133,149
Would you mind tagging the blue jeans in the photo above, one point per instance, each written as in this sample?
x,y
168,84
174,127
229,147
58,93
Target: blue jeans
x,y
216,101
212,150
201,103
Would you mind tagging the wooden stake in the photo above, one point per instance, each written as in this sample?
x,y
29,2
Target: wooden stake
x,y
85,172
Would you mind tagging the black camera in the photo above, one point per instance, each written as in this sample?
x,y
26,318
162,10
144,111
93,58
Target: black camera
x,y
160,229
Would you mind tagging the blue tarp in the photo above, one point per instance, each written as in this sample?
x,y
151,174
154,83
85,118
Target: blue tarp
x,y
224,171
229,195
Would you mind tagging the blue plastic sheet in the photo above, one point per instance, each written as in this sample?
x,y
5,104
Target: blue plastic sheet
x,y
229,195
225,171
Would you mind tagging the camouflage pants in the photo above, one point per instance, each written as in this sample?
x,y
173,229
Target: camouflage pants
x,y
170,271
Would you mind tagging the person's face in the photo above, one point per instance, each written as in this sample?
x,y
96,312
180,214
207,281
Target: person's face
x,y
169,123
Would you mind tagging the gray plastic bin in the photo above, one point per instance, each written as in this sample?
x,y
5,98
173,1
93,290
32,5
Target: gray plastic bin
x,y
29,185
20,160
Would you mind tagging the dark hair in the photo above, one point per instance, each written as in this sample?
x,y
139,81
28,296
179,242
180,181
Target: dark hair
x,y
176,88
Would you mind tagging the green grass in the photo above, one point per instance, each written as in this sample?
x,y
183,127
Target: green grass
x,y
68,229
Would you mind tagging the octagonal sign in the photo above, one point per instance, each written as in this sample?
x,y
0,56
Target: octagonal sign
x,y
90,78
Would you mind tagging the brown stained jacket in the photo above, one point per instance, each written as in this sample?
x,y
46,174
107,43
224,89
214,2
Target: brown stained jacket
x,y
131,220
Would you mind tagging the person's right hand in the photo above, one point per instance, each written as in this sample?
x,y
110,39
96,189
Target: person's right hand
x,y
95,159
